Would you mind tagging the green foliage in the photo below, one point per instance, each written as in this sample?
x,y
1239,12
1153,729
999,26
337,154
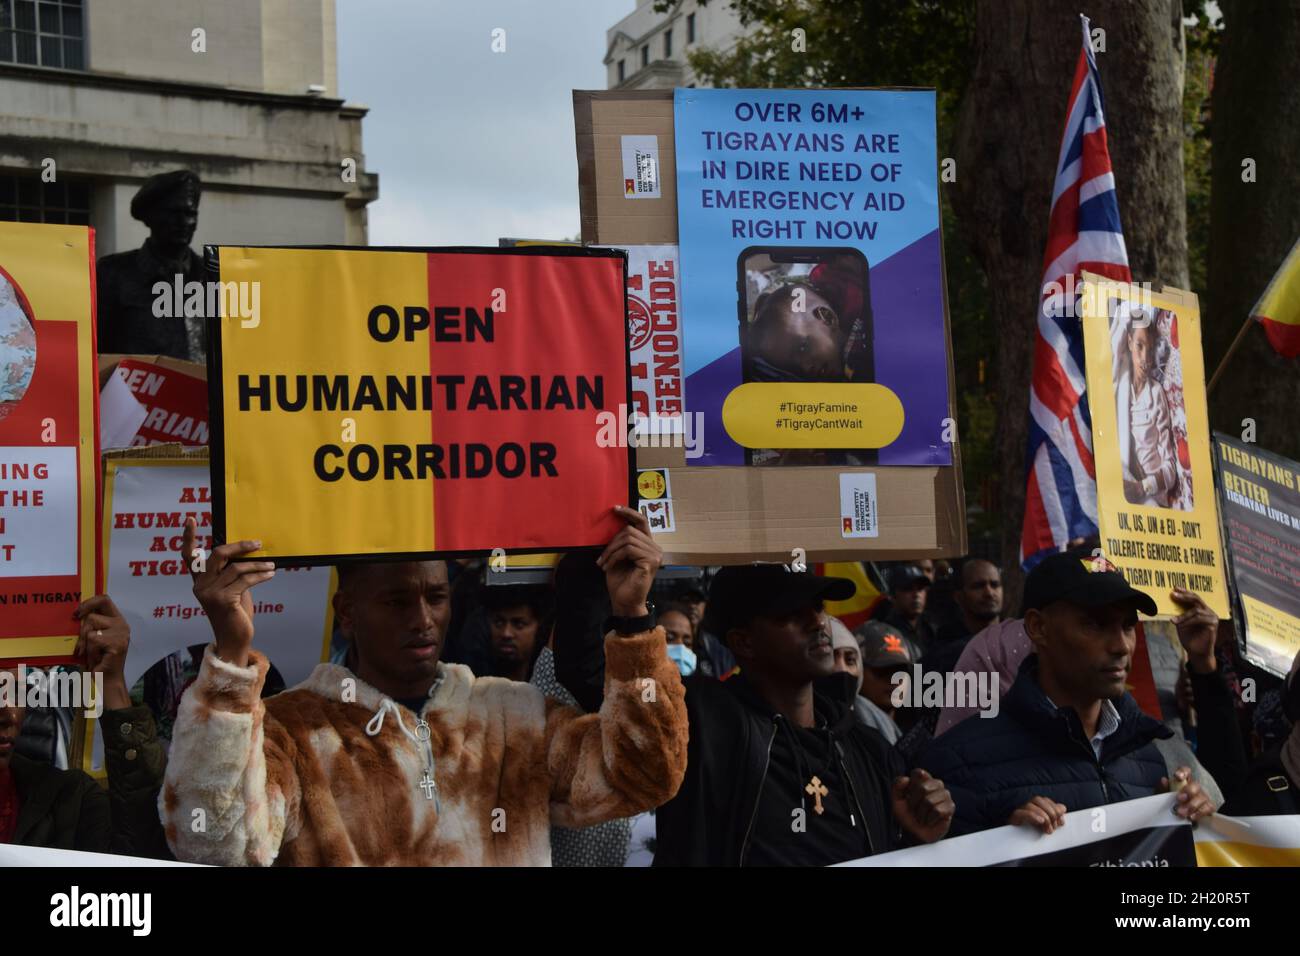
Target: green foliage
x,y
850,43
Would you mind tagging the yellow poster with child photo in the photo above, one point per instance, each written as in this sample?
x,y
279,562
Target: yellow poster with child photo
x,y
1156,507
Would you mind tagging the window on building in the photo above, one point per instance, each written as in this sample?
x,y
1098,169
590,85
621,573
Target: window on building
x,y
27,199
690,28
668,44
645,55
43,33
622,71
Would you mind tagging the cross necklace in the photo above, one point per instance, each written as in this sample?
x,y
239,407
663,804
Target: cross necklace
x,y
815,788
424,735
817,791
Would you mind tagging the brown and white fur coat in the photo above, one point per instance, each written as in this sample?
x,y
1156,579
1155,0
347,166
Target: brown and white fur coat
x,y
296,780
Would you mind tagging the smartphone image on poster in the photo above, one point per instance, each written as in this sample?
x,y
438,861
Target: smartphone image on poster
x,y
805,316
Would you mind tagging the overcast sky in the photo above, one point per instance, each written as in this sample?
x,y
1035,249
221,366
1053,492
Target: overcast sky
x,y
471,145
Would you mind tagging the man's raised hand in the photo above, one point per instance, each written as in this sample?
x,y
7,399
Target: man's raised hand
x,y
222,583
1198,627
630,562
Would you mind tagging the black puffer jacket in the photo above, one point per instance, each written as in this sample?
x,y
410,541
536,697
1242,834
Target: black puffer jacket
x,y
994,765
67,810
710,821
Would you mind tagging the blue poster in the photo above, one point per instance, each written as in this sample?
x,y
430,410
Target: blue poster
x,y
812,276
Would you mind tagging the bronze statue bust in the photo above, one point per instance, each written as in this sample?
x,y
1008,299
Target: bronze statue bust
x,y
127,318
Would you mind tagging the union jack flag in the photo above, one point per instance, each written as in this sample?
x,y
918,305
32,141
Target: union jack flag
x,y
1084,233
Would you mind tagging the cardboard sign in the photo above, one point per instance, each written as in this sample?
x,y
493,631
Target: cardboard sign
x,y
734,515
146,502
1158,518
49,438
813,275
413,402
1260,500
172,395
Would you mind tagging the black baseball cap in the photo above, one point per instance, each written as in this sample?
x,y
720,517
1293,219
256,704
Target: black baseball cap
x,y
739,594
883,646
907,576
1088,582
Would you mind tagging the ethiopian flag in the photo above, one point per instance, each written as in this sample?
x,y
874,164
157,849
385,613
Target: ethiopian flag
x,y
858,609
1278,309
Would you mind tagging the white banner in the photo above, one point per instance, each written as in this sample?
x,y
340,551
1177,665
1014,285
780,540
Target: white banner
x,y
1141,832
1249,841
12,855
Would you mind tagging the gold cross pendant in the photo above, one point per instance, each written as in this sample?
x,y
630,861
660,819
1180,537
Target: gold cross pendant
x,y
817,791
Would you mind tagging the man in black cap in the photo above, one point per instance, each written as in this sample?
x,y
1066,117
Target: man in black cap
x,y
908,585
128,320
779,771
885,653
1067,736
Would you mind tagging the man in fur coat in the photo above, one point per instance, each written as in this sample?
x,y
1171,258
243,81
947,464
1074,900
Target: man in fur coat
x,y
405,760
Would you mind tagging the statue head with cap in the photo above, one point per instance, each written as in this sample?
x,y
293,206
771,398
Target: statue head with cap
x,y
169,205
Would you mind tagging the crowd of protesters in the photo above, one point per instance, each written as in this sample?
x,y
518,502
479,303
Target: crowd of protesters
x,y
626,714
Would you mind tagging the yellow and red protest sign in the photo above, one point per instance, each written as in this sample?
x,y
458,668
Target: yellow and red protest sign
x,y
1156,507
48,438
411,402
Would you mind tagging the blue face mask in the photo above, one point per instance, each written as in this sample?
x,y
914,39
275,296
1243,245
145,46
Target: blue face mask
x,y
683,657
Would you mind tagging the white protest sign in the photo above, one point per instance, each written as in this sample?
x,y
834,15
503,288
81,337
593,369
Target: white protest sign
x,y
146,503
654,334
38,511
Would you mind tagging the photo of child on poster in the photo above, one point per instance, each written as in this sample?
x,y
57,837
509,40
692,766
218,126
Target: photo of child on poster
x,y
1151,419
17,345
806,317
807,321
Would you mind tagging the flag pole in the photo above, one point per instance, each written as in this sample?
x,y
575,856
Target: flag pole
x,y
1223,363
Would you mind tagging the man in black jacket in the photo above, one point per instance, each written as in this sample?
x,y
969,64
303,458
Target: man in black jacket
x,y
978,601
1067,736
779,771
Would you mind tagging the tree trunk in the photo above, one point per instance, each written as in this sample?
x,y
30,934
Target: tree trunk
x,y
1007,139
1253,224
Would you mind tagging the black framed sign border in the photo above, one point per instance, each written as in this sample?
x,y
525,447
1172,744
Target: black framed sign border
x,y
217,418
